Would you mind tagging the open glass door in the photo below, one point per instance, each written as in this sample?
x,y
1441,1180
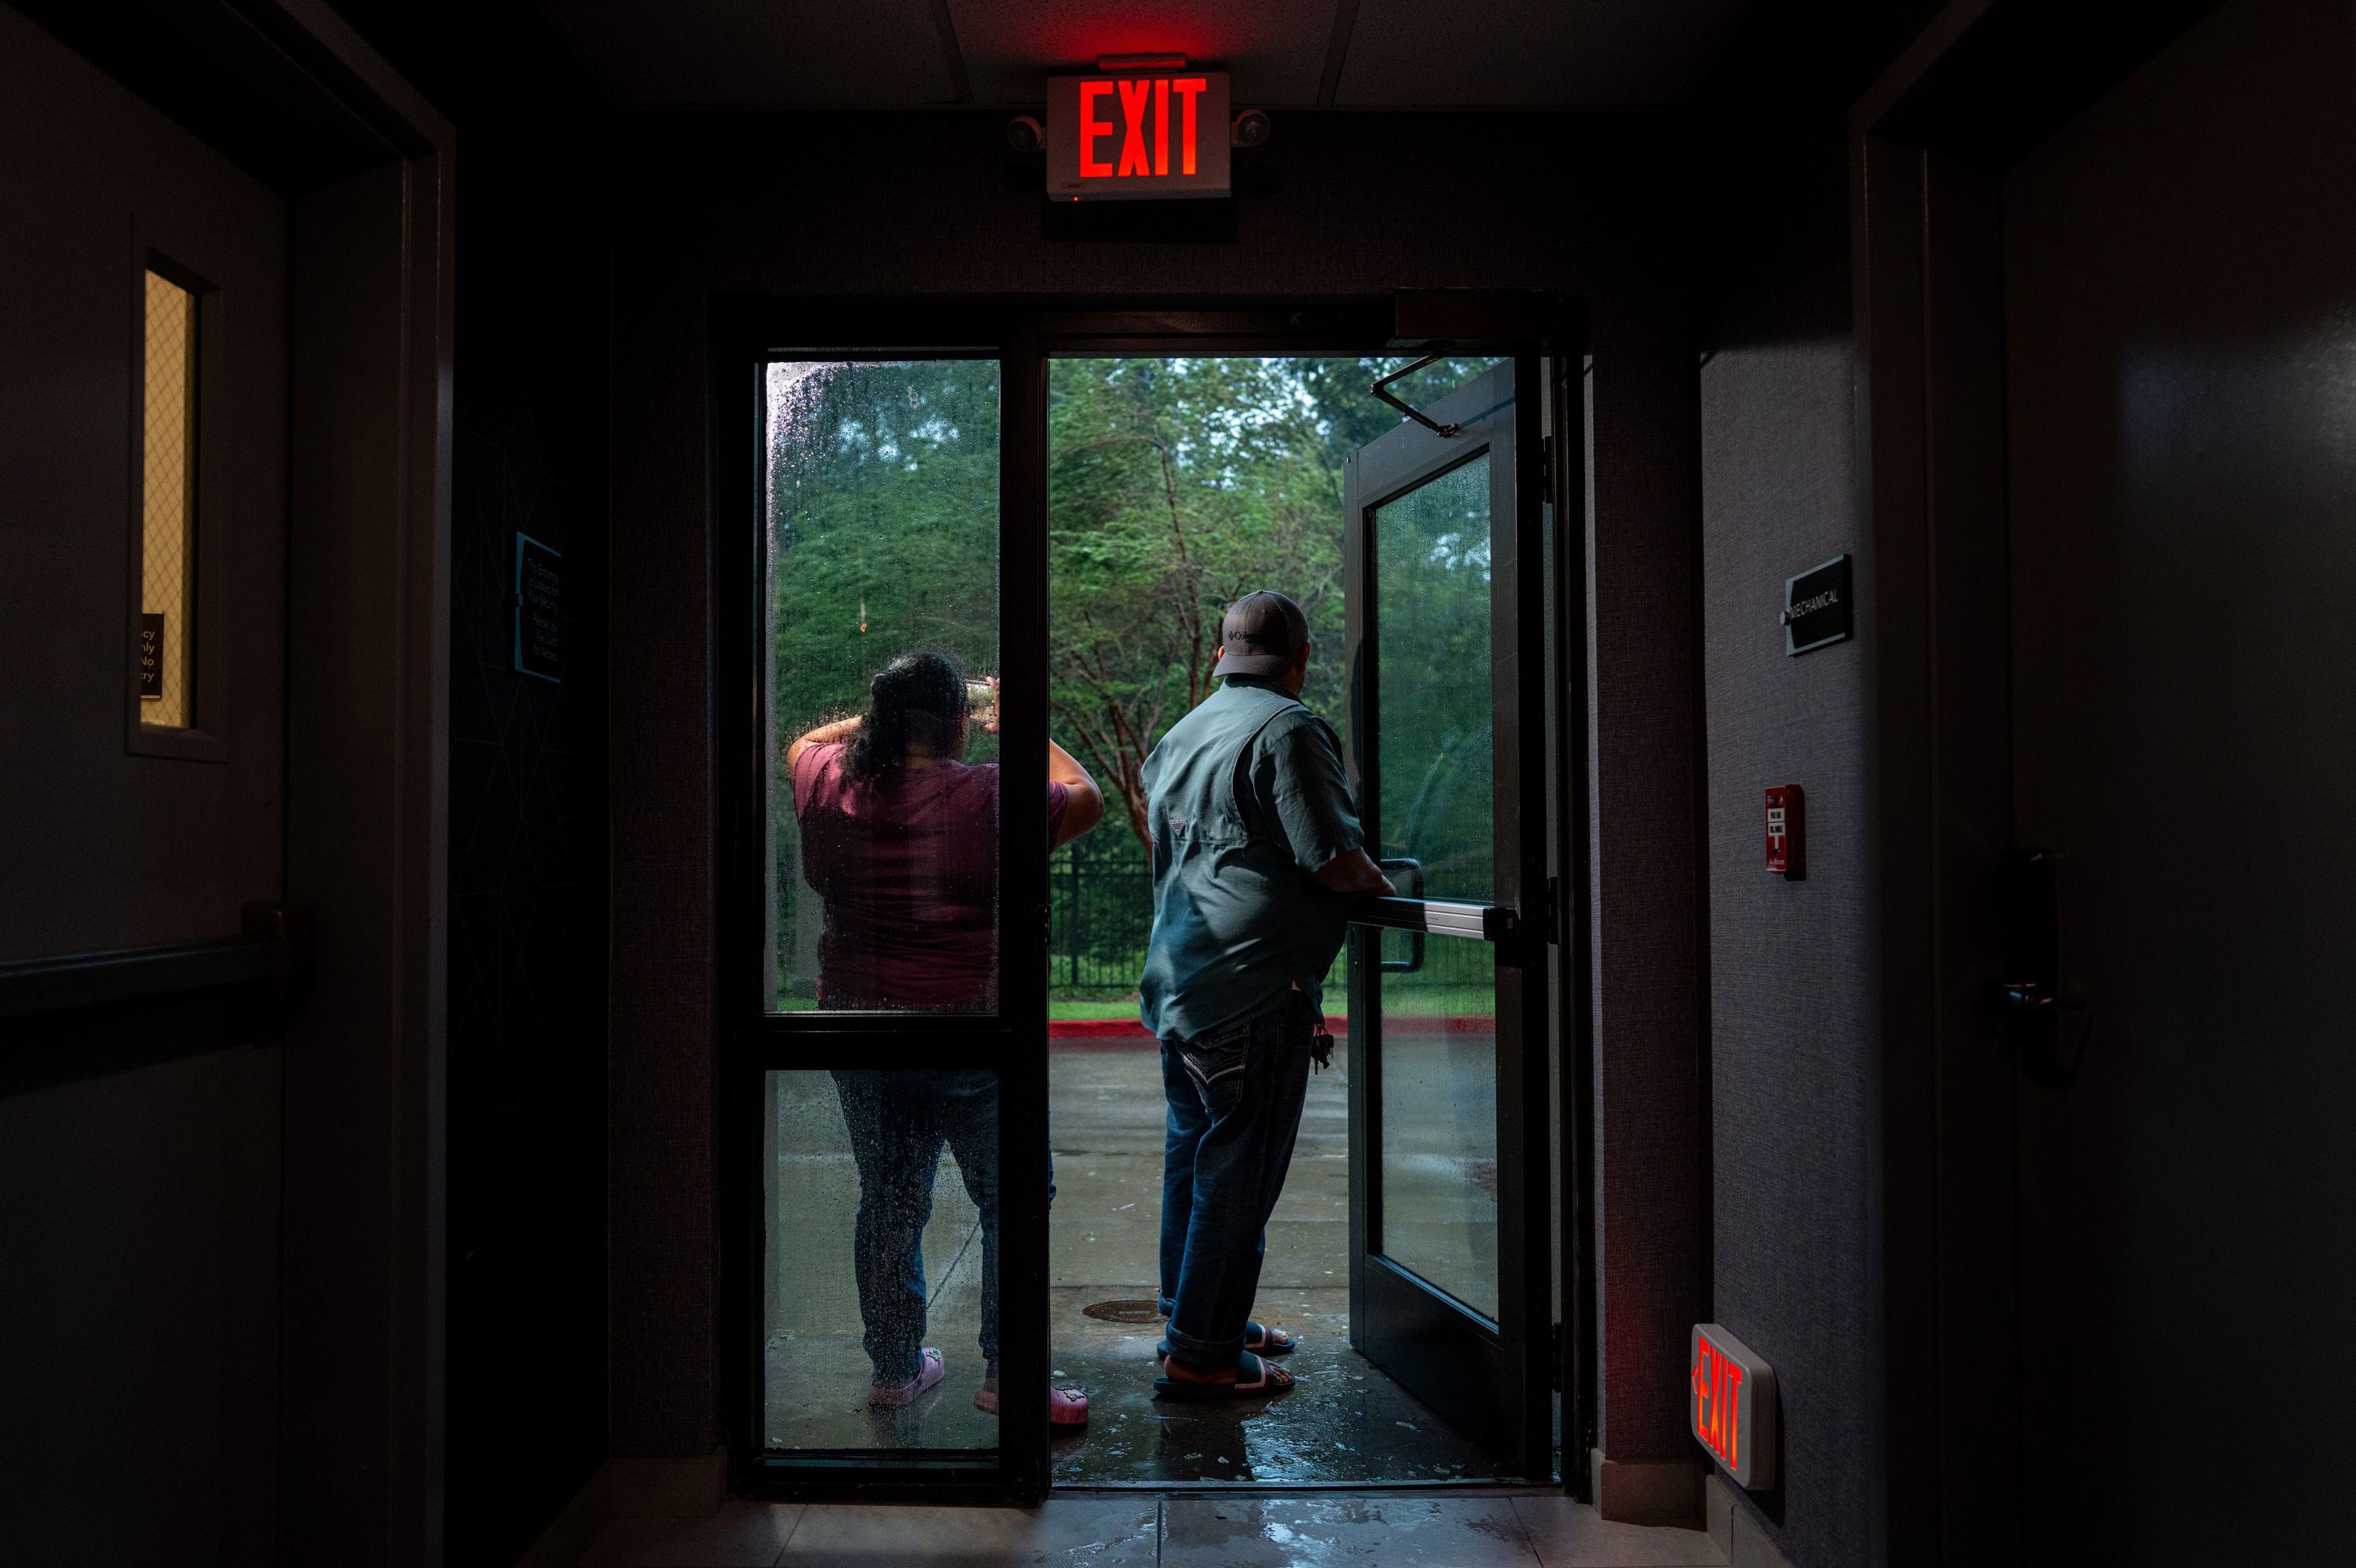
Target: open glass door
x,y
1449,1284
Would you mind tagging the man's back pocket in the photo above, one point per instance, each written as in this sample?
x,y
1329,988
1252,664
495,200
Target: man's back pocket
x,y
1217,1056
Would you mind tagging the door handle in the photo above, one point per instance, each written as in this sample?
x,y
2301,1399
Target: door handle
x,y
1407,875
2028,997
2032,998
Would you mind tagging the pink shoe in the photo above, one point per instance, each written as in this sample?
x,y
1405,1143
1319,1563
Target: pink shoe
x,y
1065,1406
929,1372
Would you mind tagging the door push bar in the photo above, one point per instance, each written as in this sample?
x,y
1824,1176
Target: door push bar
x,y
1482,922
274,947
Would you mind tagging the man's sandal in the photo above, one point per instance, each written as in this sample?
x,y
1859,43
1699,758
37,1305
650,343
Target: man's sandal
x,y
1258,1339
1255,1379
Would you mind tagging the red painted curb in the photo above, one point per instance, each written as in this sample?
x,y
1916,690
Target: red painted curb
x,y
1096,1028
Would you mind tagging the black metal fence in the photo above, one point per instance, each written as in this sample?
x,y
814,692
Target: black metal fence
x,y
1100,909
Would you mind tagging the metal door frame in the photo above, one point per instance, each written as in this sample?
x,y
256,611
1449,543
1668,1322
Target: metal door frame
x,y
1024,333
747,335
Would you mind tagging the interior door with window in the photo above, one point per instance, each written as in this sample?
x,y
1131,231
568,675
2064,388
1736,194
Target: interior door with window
x,y
1449,1291
143,367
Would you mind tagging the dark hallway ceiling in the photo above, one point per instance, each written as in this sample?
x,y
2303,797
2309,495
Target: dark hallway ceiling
x,y
1286,54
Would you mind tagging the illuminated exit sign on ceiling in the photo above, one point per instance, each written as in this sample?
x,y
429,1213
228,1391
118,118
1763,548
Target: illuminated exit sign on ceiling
x,y
1131,134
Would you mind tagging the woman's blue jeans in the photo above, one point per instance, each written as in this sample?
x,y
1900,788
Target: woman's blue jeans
x,y
898,1122
1235,1098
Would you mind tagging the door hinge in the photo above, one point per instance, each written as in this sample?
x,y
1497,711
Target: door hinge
x,y
1546,467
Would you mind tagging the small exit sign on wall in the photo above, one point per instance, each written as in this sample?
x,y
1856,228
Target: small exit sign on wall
x,y
1127,135
1730,1406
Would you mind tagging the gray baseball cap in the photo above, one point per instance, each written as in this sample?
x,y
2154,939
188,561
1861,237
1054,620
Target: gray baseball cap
x,y
1260,634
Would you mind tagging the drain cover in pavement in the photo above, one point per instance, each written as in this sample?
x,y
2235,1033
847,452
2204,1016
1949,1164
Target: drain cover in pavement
x,y
1124,1311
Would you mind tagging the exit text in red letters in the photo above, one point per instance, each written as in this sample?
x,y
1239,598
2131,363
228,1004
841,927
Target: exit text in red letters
x,y
1730,1406
1146,134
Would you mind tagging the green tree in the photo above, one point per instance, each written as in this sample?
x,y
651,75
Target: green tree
x,y
1174,487
884,526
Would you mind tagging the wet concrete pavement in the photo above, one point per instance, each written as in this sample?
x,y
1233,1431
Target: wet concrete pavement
x,y
1346,1422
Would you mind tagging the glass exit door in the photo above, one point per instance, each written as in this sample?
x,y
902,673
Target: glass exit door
x,y
1449,1288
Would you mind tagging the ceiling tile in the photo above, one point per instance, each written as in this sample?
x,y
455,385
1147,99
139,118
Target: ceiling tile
x,y
761,53
1532,54
1276,49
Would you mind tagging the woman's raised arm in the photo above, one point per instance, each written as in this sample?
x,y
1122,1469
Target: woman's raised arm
x,y
1087,806
825,734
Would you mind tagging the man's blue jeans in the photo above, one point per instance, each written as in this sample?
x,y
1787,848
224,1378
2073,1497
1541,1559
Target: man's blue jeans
x,y
898,1122
1234,1099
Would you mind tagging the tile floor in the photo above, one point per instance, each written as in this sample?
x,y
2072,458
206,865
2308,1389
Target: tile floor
x,y
1196,1530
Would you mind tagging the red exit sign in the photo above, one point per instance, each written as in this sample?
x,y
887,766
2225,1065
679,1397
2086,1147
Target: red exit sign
x,y
1730,1405
1135,134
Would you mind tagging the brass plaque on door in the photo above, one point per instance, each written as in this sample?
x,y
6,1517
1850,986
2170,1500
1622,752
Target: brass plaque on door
x,y
151,657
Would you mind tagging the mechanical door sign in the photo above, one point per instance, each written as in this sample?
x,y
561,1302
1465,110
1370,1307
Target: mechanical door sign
x,y
1819,610
1731,1407
1137,135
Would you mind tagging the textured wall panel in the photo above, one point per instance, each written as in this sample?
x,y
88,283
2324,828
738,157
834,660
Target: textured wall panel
x,y
1652,1227
1794,1027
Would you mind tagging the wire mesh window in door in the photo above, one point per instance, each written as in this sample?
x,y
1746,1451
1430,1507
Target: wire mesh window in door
x,y
168,589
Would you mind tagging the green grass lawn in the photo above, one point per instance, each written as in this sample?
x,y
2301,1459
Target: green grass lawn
x,y
1060,1010
1398,1001
1434,1001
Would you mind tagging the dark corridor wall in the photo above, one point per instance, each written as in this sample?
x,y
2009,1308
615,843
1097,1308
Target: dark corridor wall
x,y
1795,1020
527,1379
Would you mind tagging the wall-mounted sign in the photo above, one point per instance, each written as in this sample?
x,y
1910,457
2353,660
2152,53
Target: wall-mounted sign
x,y
1817,609
1731,1407
1137,135
1787,831
151,657
537,618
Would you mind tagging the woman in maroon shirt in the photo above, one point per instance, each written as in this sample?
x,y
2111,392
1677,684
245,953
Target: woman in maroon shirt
x,y
900,840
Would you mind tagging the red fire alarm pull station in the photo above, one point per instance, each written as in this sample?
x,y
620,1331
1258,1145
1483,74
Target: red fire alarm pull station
x,y
1786,835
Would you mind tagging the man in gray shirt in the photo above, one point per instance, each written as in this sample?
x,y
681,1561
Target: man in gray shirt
x,y
1256,852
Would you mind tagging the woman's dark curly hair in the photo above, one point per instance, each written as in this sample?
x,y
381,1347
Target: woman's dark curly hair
x,y
916,699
